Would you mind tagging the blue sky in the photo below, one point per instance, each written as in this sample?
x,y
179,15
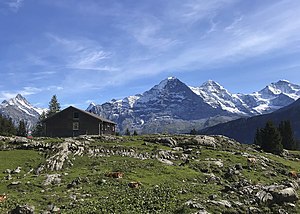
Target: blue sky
x,y
96,50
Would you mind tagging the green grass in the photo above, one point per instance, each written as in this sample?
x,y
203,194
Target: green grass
x,y
288,164
27,160
164,188
133,142
24,158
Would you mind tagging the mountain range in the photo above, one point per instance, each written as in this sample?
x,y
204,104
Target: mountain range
x,y
173,107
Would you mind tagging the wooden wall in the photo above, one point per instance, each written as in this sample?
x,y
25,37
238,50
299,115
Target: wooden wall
x,y
61,124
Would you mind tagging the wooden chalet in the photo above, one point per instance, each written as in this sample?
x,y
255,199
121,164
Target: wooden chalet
x,y
72,122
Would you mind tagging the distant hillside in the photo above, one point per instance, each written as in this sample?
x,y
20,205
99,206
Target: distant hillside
x,y
243,130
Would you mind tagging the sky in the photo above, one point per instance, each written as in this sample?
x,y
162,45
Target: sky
x,y
97,50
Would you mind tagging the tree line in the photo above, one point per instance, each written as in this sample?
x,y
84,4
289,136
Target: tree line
x,y
7,127
274,139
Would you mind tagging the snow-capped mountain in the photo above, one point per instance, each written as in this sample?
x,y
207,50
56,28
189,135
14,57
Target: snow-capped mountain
x,y
275,96
172,106
218,97
272,97
19,108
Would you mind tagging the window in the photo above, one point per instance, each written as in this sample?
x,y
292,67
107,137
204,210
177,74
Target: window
x,y
75,115
75,125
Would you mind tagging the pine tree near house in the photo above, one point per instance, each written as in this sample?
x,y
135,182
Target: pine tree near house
x,y
286,132
54,106
39,129
22,131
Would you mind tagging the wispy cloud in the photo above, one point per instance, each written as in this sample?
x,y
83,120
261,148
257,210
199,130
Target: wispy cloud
x,y
82,54
244,38
36,60
192,11
117,43
270,29
15,5
147,32
27,91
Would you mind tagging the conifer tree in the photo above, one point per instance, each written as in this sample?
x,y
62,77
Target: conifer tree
x,y
6,126
22,131
271,139
135,133
54,106
286,132
39,129
257,138
127,132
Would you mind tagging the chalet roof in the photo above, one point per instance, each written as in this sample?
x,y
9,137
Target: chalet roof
x,y
85,112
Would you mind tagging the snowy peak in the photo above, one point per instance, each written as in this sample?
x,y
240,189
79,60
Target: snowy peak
x,y
272,97
169,102
91,106
19,100
281,87
170,82
18,108
218,97
20,97
211,85
170,88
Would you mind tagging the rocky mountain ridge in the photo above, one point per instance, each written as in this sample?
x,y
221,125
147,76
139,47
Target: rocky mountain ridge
x,y
272,97
173,107
18,108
